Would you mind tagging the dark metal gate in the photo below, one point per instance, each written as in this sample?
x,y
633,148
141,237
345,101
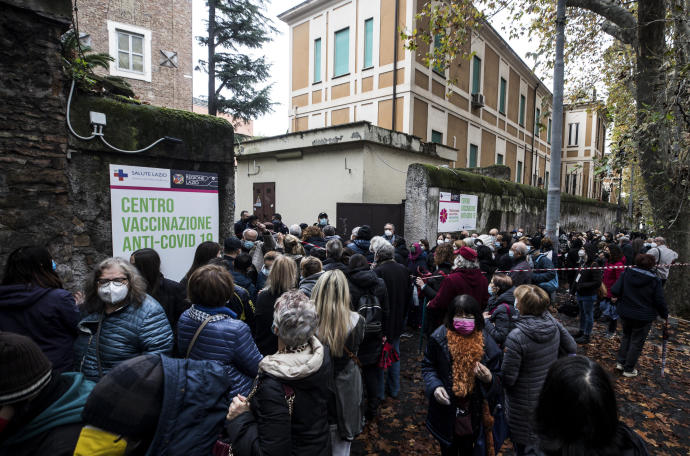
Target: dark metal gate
x,y
351,215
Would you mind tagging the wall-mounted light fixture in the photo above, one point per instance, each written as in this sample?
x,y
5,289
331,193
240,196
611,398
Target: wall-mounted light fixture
x,y
98,121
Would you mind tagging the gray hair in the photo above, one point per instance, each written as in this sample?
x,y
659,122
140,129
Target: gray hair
x,y
355,231
463,263
376,243
295,318
659,240
520,248
329,230
136,284
250,231
296,231
384,252
334,249
469,242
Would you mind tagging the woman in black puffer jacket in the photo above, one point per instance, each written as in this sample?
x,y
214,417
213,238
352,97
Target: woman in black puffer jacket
x,y
501,314
362,281
289,403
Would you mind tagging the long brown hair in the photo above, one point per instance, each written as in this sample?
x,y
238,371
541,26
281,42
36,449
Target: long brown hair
x,y
283,275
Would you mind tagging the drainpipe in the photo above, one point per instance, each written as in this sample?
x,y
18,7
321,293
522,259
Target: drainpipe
x,y
534,116
395,63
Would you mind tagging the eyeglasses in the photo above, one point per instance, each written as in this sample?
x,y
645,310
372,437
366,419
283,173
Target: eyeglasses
x,y
117,280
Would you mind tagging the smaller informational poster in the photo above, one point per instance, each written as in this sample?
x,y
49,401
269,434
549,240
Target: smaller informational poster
x,y
456,212
171,211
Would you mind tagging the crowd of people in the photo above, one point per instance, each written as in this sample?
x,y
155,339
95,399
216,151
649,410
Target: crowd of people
x,y
286,340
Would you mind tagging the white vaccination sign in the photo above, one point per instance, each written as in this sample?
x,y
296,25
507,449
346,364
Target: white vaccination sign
x,y
456,212
171,211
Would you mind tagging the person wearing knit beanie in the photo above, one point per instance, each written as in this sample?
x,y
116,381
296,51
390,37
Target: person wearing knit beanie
x,y
26,370
40,409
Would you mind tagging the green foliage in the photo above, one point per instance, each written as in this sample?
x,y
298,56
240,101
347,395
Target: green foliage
x,y
80,64
239,26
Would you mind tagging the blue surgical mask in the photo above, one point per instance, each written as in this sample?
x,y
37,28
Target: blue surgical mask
x,y
511,254
491,290
54,264
323,221
497,244
248,245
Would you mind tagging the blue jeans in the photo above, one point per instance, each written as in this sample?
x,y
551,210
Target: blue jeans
x,y
608,309
586,304
391,377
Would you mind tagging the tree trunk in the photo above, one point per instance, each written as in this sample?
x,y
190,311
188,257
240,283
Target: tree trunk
x,y
668,205
212,109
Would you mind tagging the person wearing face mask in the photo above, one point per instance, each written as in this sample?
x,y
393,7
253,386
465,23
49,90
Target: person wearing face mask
x,y
585,287
460,370
389,233
500,314
521,271
572,260
323,220
34,304
530,349
258,248
122,321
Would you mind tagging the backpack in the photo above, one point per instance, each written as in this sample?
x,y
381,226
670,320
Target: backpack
x,y
369,308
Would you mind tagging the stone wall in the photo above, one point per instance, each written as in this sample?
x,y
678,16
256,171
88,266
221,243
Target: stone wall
x,y
54,188
501,204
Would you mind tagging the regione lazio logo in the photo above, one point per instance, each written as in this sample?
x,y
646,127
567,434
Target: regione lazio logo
x,y
120,174
444,215
178,179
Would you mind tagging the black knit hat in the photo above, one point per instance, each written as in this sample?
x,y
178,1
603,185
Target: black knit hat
x,y
25,369
364,233
128,400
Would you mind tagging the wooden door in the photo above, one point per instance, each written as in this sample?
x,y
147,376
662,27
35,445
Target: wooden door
x,y
264,200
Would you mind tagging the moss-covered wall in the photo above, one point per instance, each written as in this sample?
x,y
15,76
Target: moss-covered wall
x,y
501,204
206,146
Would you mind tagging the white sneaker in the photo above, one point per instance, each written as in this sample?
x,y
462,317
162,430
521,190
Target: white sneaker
x,y
630,374
619,367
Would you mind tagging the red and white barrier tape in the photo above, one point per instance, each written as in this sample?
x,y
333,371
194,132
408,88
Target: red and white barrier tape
x,y
562,269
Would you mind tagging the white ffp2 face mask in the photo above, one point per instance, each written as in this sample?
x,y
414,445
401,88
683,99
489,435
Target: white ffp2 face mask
x,y
388,233
113,293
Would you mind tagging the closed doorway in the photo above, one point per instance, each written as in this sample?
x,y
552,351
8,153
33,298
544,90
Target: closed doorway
x,y
264,200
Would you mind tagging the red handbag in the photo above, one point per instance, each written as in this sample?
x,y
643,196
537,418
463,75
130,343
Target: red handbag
x,y
388,356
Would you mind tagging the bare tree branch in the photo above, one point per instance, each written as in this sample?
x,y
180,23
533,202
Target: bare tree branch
x,y
614,14
618,33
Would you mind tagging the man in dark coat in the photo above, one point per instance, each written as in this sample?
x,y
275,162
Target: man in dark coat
x,y
334,254
399,288
241,224
521,272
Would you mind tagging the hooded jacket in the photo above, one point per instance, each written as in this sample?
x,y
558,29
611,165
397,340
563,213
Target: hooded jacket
x,y
306,285
541,278
269,429
641,296
502,316
362,281
361,246
530,349
224,339
459,282
56,419
49,316
126,333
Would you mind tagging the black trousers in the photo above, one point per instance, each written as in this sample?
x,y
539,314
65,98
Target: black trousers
x,y
634,336
461,446
371,377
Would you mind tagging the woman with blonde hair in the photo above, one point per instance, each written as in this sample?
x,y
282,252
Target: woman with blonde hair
x,y
342,330
283,277
293,249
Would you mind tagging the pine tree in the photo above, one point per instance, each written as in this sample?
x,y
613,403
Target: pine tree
x,y
234,26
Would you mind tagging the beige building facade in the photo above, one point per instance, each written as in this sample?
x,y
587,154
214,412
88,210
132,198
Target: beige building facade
x,y
151,42
348,64
584,142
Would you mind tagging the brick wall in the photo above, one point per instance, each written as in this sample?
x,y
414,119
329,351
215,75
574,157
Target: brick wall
x,y
170,23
